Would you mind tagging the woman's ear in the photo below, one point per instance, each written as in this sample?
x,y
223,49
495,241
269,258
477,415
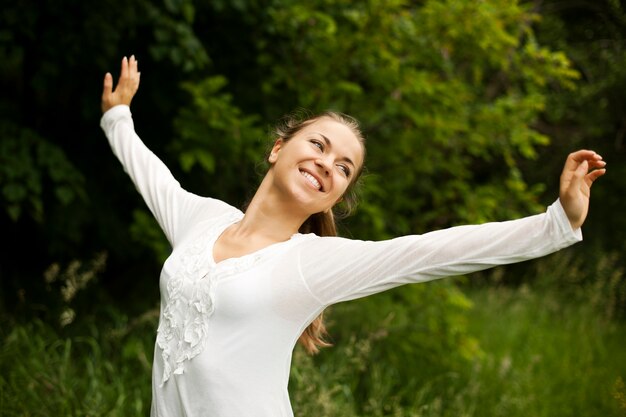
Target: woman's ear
x,y
274,152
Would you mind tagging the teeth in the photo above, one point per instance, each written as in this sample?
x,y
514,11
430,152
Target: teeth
x,y
311,179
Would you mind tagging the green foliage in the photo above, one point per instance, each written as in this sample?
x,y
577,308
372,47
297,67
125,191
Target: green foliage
x,y
214,135
459,100
600,285
548,355
175,40
409,330
146,231
76,362
402,339
43,373
544,353
448,92
592,34
27,162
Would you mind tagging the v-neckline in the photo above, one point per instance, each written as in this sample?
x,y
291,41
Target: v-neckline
x,y
238,259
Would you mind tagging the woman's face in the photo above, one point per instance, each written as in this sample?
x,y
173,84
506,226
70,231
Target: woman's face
x,y
316,166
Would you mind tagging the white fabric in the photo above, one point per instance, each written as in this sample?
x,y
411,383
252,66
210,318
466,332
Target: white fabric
x,y
227,330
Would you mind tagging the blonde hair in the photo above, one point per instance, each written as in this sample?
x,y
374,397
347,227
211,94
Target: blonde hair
x,y
323,223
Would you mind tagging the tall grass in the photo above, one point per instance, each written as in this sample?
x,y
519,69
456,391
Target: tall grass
x,y
43,373
545,356
545,350
553,346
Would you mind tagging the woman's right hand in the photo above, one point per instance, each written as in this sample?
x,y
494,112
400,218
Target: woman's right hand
x,y
126,86
581,169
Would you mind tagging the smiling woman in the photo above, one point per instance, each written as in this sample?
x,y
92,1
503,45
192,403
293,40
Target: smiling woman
x,y
240,289
311,173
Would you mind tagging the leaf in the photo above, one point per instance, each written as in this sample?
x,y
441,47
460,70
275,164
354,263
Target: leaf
x,y
64,194
14,192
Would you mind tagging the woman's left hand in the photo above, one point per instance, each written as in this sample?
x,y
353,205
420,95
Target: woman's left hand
x,y
581,169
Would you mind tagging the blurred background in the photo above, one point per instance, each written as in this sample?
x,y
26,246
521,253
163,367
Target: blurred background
x,y
469,108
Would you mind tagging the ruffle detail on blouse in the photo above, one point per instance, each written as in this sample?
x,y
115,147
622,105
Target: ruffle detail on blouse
x,y
183,328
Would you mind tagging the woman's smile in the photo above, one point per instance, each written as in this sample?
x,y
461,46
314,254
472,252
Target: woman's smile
x,y
316,183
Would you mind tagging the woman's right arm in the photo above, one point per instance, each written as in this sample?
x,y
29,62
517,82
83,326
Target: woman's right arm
x,y
175,209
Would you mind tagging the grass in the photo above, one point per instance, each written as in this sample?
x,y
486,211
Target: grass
x,y
543,354
43,373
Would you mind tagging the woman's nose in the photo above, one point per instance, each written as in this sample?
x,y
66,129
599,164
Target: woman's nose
x,y
324,166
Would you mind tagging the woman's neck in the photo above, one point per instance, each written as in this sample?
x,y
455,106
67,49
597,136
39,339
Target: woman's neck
x,y
269,216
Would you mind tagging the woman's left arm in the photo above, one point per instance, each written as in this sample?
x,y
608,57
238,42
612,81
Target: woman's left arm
x,y
337,269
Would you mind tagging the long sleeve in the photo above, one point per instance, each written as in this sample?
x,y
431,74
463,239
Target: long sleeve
x,y
337,269
175,209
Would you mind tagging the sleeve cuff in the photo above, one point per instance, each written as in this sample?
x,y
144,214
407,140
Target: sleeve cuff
x,y
114,113
572,235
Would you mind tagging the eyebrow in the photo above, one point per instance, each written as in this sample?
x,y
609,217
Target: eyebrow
x,y
328,143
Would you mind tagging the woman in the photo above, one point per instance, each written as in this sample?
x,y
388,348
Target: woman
x,y
240,289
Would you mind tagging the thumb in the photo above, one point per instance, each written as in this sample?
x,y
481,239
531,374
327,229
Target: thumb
x,y
579,174
106,92
108,84
582,169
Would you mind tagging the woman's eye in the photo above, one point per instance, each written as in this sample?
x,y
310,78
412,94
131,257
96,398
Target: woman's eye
x,y
345,170
318,144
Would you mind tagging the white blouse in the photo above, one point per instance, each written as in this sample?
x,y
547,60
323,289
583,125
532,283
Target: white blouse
x,y
227,330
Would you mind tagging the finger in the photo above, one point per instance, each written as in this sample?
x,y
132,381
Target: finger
x,y
105,102
583,154
572,180
580,173
124,70
575,158
594,175
132,66
108,85
136,71
595,163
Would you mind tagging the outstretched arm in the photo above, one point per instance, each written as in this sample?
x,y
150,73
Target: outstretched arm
x,y
127,85
176,210
581,169
337,269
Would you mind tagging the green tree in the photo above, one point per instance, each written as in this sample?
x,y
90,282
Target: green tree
x,y
60,198
593,35
448,92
